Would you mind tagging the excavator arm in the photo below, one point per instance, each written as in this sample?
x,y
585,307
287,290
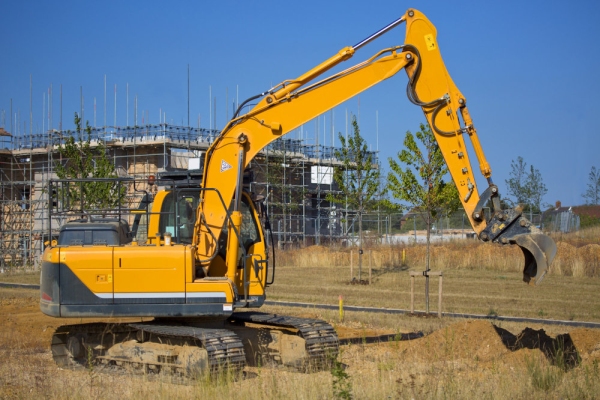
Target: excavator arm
x,y
431,87
295,102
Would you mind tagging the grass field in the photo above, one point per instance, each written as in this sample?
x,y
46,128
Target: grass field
x,y
455,359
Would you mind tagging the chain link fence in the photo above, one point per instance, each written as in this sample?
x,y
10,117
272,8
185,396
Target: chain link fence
x,y
337,227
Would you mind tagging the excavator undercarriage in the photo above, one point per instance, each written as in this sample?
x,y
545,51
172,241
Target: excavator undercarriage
x,y
193,347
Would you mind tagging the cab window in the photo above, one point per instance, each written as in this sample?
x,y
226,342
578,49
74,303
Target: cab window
x,y
178,215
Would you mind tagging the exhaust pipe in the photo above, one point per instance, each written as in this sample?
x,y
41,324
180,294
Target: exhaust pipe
x,y
511,227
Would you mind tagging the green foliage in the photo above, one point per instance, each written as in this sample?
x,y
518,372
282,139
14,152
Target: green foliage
x,y
357,180
543,377
516,186
421,183
527,188
537,188
358,177
592,194
587,221
79,160
342,387
589,215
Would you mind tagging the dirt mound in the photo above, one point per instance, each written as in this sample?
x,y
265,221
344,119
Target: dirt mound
x,y
482,341
477,340
365,334
519,359
567,351
585,340
587,343
559,351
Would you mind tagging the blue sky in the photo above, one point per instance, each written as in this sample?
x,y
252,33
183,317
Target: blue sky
x,y
529,69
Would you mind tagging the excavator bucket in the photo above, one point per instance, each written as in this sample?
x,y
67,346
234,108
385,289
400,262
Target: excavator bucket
x,y
508,227
539,251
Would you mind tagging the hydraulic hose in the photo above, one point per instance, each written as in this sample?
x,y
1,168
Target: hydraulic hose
x,y
413,97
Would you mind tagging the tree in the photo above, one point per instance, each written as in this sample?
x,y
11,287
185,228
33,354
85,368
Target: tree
x,y
516,185
357,179
592,194
422,184
80,160
527,188
537,188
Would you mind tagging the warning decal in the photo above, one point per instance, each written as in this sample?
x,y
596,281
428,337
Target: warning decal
x,y
225,166
430,42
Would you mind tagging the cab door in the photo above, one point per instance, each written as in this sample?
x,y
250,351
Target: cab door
x,y
252,238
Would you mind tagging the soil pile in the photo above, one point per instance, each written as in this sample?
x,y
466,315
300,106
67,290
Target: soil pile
x,y
587,343
482,341
476,340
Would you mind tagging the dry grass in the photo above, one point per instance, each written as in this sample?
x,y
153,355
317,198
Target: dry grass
x,y
578,254
20,276
478,278
464,291
457,359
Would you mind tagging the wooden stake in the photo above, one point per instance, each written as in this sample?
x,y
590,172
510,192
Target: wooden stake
x,y
412,294
370,264
440,298
412,275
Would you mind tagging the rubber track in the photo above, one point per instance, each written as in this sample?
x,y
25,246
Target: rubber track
x,y
225,349
322,342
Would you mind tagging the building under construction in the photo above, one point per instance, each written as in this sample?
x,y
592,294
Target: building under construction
x,y
294,179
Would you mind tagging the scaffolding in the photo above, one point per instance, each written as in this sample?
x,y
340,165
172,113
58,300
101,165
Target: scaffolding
x,y
293,177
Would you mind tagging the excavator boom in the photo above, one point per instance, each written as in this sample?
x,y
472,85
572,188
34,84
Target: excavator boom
x,y
296,101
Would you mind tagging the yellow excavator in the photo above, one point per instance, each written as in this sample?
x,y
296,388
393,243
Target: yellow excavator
x,y
193,280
